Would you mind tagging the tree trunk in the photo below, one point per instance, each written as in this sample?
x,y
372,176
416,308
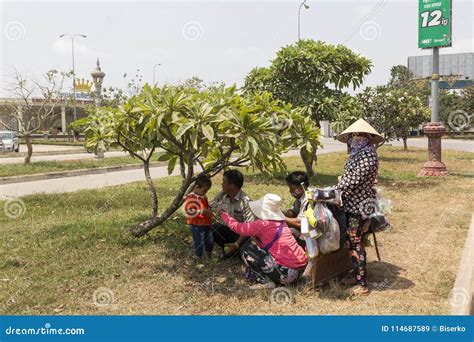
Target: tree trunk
x,y
308,160
405,146
144,227
29,145
151,186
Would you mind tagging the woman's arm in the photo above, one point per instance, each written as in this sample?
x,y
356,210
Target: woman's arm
x,y
244,228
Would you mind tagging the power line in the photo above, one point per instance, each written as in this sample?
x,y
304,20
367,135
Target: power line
x,y
367,17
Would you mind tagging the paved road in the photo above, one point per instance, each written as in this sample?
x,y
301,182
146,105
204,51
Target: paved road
x,y
123,177
60,157
446,144
71,184
52,148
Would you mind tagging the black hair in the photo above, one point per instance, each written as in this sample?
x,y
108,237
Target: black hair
x,y
235,177
203,180
297,177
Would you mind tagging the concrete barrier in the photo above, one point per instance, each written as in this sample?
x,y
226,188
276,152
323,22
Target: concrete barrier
x,y
461,296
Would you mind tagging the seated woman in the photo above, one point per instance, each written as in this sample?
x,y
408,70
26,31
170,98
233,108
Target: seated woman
x,y
276,258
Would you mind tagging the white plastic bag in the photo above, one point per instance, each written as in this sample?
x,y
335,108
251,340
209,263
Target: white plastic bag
x,y
329,240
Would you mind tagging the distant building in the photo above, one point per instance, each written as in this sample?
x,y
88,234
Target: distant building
x,y
456,70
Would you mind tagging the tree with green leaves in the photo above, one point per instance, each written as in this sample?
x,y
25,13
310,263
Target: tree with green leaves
x,y
312,75
200,131
393,111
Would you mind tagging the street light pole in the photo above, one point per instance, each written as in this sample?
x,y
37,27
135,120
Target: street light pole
x,y
73,67
299,17
154,69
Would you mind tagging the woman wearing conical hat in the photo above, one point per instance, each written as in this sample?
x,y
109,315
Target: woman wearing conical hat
x,y
357,185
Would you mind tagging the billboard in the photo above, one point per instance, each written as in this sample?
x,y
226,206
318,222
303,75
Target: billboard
x,y
434,23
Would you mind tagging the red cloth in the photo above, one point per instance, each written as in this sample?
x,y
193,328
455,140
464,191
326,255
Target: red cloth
x,y
193,208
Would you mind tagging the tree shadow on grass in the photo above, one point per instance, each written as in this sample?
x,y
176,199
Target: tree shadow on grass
x,y
462,175
318,180
399,160
323,180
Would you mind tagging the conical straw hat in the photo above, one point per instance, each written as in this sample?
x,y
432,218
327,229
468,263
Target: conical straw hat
x,y
360,126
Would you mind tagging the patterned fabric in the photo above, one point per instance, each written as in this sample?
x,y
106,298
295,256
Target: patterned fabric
x,y
262,267
358,182
359,143
356,247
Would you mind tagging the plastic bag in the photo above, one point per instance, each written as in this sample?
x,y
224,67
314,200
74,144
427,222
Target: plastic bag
x,y
327,195
326,230
322,220
379,220
329,241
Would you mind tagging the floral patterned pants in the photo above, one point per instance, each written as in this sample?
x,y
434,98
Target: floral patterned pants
x,y
356,247
262,267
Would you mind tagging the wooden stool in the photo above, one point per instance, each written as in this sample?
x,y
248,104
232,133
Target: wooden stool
x,y
330,265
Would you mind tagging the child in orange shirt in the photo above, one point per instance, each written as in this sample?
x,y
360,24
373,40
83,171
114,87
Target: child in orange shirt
x,y
199,216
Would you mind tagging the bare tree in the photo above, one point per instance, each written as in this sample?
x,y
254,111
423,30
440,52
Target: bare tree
x,y
32,103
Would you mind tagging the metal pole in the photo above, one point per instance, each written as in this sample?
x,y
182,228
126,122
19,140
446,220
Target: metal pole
x,y
73,78
72,36
435,86
154,69
299,17
299,21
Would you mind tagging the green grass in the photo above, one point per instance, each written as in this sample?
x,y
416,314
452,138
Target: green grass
x,y
66,246
7,170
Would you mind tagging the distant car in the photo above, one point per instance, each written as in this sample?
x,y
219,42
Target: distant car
x,y
9,142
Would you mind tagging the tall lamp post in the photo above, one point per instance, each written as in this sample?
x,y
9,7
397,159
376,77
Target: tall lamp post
x,y
154,69
98,77
299,17
72,36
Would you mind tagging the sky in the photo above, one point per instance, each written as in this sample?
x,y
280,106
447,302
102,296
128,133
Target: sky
x,y
218,41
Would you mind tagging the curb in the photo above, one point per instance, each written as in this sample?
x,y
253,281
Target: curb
x,y
50,153
461,299
73,173
43,153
